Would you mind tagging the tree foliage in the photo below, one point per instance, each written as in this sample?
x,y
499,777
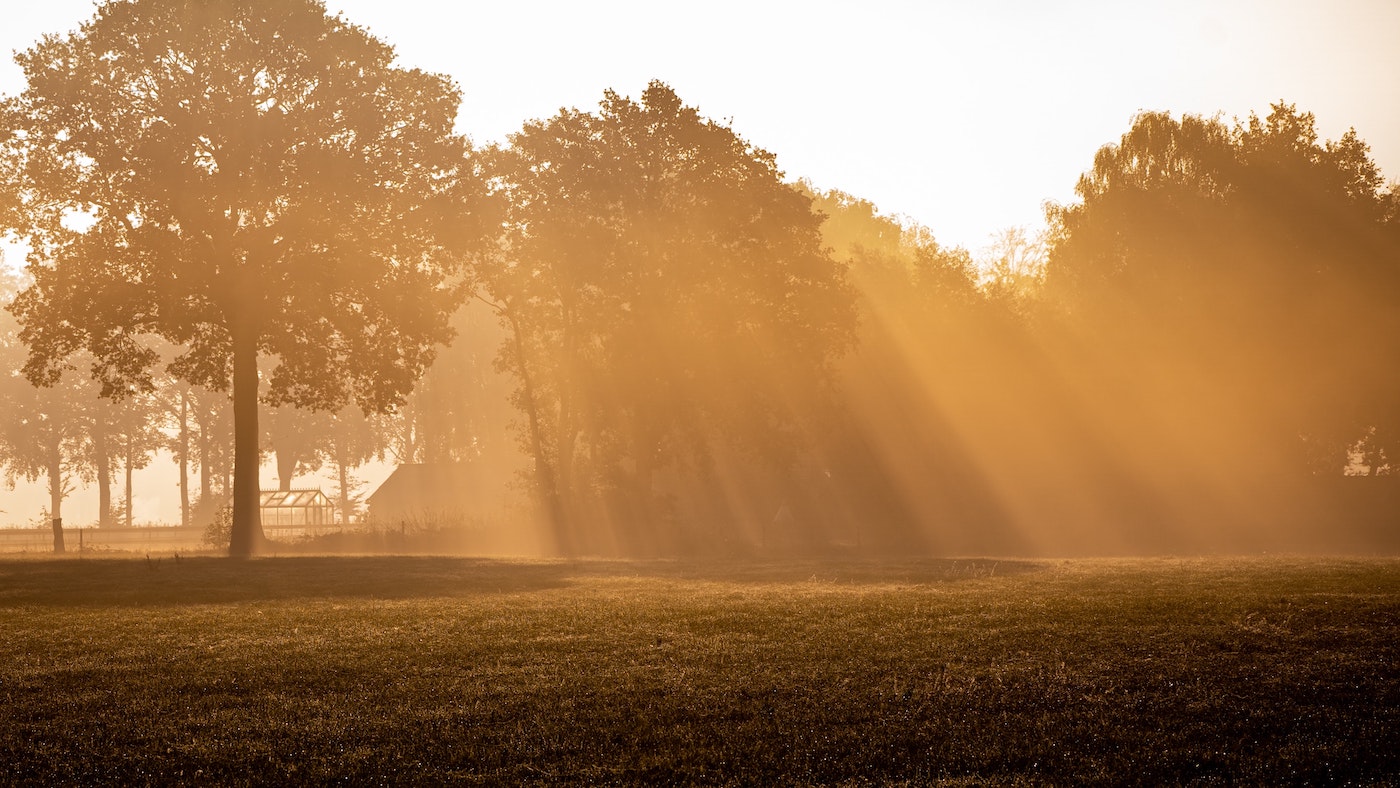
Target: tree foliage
x,y
43,434
667,294
260,177
1237,285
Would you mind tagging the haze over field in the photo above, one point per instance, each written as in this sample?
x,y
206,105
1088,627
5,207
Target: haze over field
x,y
1008,279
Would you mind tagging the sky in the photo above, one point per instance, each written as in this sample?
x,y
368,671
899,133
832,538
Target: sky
x,y
965,117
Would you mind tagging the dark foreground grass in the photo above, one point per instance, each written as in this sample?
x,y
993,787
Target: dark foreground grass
x,y
421,670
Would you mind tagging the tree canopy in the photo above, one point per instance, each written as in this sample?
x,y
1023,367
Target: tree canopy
x,y
668,295
259,177
1235,286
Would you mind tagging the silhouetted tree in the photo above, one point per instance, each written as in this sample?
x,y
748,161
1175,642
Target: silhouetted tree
x,y
1233,289
666,293
460,410
937,396
260,178
211,416
42,433
137,436
1013,268
298,440
200,440
353,440
124,434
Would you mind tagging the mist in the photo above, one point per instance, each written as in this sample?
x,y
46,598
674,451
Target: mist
x,y
626,331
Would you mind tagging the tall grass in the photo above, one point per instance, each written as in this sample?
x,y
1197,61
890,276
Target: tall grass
x,y
431,670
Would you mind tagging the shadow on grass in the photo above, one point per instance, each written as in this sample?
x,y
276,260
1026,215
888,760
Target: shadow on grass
x,y
136,581
97,582
854,571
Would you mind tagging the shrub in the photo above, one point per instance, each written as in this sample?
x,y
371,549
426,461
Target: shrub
x,y
216,533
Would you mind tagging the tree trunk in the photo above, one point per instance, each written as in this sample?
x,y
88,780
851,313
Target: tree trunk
x,y
343,471
55,469
286,467
246,536
641,528
130,460
206,473
566,432
544,469
185,459
103,461
408,451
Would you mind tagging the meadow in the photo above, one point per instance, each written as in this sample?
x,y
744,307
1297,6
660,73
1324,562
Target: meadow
x,y
424,670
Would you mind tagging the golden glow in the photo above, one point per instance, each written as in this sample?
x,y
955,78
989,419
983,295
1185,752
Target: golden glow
x,y
965,118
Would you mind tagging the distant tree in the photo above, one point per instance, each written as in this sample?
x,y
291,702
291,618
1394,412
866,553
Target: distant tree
x,y
936,398
1237,284
665,292
134,426
43,434
200,439
211,416
298,440
1013,267
460,410
124,434
303,442
353,440
260,177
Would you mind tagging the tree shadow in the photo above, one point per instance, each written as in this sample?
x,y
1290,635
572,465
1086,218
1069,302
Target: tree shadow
x,y
847,571
168,581
124,582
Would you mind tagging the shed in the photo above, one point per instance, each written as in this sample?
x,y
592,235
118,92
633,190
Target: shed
x,y
296,509
431,494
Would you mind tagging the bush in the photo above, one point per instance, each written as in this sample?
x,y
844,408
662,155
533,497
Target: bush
x,y
217,532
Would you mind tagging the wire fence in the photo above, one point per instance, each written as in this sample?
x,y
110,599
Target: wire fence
x,y
140,539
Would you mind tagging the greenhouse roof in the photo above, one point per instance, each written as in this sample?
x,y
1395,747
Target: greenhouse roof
x,y
290,499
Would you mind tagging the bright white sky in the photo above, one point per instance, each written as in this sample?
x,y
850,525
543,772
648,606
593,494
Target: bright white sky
x,y
962,116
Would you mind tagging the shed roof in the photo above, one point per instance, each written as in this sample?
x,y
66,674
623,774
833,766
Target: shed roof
x,y
429,485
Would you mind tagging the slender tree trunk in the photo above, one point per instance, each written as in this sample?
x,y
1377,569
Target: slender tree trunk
x,y
343,472
130,460
641,528
544,469
409,453
206,485
286,467
246,537
185,459
55,469
103,461
566,431
566,441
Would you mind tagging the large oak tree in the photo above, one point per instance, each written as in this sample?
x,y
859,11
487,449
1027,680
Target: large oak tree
x,y
260,178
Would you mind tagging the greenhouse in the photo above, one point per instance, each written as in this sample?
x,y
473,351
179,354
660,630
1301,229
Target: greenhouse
x,y
296,509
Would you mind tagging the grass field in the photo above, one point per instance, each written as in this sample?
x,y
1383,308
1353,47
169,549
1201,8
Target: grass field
x,y
432,670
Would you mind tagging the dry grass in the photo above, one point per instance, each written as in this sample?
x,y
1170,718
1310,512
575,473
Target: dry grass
x,y
425,670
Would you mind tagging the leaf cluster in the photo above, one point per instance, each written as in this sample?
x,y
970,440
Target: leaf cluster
x,y
253,165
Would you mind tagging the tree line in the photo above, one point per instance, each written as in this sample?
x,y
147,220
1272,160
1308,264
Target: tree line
x,y
674,345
